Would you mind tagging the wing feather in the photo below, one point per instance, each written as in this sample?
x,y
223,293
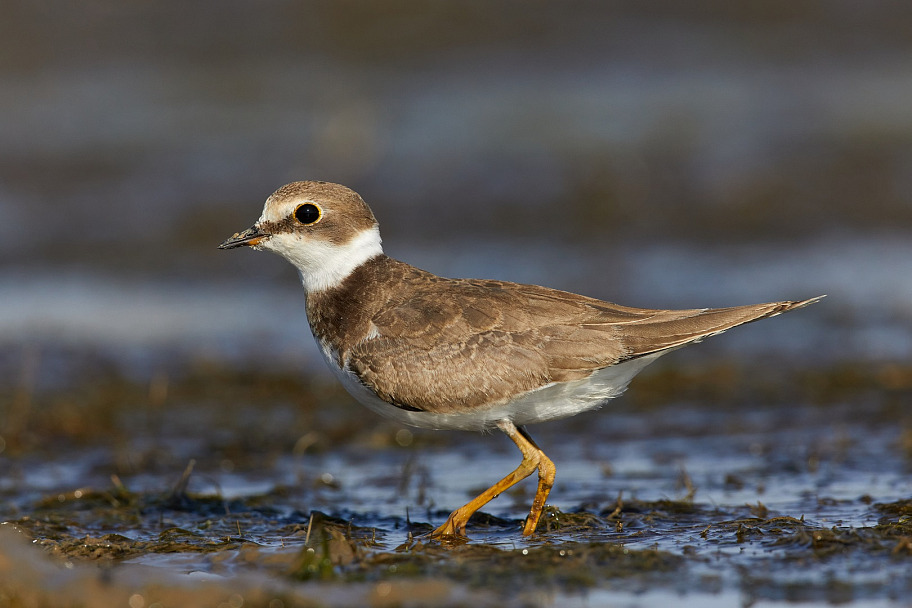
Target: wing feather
x,y
451,344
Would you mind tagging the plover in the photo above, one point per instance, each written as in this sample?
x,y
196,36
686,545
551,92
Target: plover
x,y
464,353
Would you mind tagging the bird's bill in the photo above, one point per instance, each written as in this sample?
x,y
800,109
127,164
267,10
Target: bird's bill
x,y
249,238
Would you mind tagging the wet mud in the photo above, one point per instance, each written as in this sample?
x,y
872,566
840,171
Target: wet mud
x,y
224,487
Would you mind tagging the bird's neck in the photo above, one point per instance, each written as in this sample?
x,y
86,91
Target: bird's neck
x,y
326,266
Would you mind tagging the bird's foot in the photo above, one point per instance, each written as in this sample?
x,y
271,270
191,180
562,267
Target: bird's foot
x,y
453,529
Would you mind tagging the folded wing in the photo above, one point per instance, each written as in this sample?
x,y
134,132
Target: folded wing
x,y
454,344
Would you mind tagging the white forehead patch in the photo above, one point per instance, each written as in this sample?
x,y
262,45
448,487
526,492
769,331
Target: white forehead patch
x,y
276,210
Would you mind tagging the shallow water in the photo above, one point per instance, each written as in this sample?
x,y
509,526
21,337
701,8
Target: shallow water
x,y
705,497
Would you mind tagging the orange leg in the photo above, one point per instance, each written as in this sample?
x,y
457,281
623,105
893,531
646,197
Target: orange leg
x,y
533,458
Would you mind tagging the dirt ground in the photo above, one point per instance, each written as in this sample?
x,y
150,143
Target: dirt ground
x,y
230,488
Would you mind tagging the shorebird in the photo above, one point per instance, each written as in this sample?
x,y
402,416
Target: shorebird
x,y
464,354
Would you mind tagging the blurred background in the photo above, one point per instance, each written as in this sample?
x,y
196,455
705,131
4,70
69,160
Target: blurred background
x,y
656,154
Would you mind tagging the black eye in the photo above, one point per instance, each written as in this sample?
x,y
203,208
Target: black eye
x,y
307,213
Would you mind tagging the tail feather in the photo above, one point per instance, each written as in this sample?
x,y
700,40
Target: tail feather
x,y
673,329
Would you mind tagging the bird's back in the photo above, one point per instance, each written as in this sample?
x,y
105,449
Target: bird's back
x,y
430,344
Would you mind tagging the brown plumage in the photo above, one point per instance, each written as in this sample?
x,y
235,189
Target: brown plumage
x,y
450,345
464,353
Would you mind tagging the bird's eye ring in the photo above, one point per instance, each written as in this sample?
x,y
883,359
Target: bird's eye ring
x,y
308,214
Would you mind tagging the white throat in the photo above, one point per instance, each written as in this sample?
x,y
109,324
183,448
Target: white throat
x,y
323,265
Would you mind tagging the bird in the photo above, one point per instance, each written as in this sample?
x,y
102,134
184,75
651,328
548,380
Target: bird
x,y
464,354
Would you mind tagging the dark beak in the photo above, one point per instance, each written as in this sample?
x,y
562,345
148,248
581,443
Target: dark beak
x,y
250,238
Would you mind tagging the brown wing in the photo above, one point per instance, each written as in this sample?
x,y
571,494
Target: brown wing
x,y
453,344
674,328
